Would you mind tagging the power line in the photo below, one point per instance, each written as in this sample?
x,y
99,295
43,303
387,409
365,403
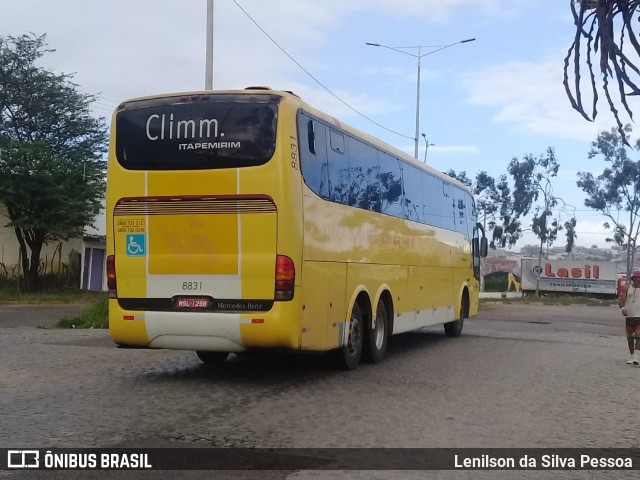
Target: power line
x,y
314,78
108,100
104,105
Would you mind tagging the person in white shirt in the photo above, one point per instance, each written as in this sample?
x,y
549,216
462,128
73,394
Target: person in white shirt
x,y
629,301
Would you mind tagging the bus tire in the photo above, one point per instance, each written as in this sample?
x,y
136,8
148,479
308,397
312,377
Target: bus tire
x,y
212,358
349,355
454,329
376,338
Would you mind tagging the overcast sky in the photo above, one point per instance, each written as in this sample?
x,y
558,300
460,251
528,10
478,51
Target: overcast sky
x,y
482,103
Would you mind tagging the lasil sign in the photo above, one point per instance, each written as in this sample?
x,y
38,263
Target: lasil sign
x,y
586,271
569,276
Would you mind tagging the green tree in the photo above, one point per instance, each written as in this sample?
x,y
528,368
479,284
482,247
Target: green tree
x,y
507,227
570,233
616,189
605,38
533,189
52,172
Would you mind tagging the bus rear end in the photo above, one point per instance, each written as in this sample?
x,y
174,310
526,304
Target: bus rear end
x,y
194,187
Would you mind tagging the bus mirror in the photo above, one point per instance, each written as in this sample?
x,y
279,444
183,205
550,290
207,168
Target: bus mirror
x,y
484,247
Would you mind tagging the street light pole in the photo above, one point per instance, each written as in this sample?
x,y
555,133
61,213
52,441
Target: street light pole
x,y
419,57
426,146
208,74
418,106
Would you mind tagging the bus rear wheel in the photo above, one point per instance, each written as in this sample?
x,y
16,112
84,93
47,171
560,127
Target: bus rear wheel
x,y
349,355
212,358
377,337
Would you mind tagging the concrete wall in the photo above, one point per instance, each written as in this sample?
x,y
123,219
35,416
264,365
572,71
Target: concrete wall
x,y
54,257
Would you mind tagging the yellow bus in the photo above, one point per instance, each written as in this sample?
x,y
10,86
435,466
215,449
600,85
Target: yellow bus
x,y
247,219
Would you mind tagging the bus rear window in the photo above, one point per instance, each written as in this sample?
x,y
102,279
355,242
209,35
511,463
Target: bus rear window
x,y
203,134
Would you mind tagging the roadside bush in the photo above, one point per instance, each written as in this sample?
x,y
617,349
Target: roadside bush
x,y
96,316
495,284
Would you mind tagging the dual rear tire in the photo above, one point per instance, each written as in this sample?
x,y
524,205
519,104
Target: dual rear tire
x,y
365,338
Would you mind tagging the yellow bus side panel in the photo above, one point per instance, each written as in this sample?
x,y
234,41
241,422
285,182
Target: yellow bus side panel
x,y
277,328
315,305
463,276
474,294
258,233
193,244
440,287
337,304
371,276
126,332
418,288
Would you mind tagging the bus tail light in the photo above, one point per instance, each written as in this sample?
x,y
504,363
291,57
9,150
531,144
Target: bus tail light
x,y
285,278
111,276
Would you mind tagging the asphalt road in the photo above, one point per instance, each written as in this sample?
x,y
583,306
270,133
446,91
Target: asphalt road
x,y
520,376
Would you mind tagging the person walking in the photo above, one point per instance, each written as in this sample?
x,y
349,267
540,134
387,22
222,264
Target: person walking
x,y
629,301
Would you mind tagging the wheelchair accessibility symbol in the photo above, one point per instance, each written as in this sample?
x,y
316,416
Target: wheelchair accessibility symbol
x,y
135,245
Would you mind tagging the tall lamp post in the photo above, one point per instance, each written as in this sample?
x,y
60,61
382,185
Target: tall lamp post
x,y
208,74
419,56
426,146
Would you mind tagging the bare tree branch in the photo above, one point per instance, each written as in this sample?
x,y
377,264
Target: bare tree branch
x,y
601,29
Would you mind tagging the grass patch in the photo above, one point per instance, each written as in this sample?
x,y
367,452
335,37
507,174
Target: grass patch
x,y
553,300
9,294
96,316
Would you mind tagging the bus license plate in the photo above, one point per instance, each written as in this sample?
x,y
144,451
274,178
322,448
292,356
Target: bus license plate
x,y
192,302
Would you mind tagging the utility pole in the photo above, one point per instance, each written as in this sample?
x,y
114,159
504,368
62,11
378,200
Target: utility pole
x,y
208,78
419,56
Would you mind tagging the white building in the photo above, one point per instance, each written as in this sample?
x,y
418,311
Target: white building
x,y
58,257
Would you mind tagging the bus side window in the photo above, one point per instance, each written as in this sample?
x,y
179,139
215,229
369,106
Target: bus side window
x,y
460,212
390,185
448,204
337,142
470,213
431,189
338,168
412,182
313,155
364,189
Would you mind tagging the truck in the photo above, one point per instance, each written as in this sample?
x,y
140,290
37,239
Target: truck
x,y
590,278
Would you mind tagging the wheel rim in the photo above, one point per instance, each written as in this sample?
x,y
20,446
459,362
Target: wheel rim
x,y
379,332
355,335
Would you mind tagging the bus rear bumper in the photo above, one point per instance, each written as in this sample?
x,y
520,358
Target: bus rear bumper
x,y
192,342
205,331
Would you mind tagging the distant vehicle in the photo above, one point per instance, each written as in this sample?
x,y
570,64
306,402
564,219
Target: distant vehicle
x,y
513,282
570,277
